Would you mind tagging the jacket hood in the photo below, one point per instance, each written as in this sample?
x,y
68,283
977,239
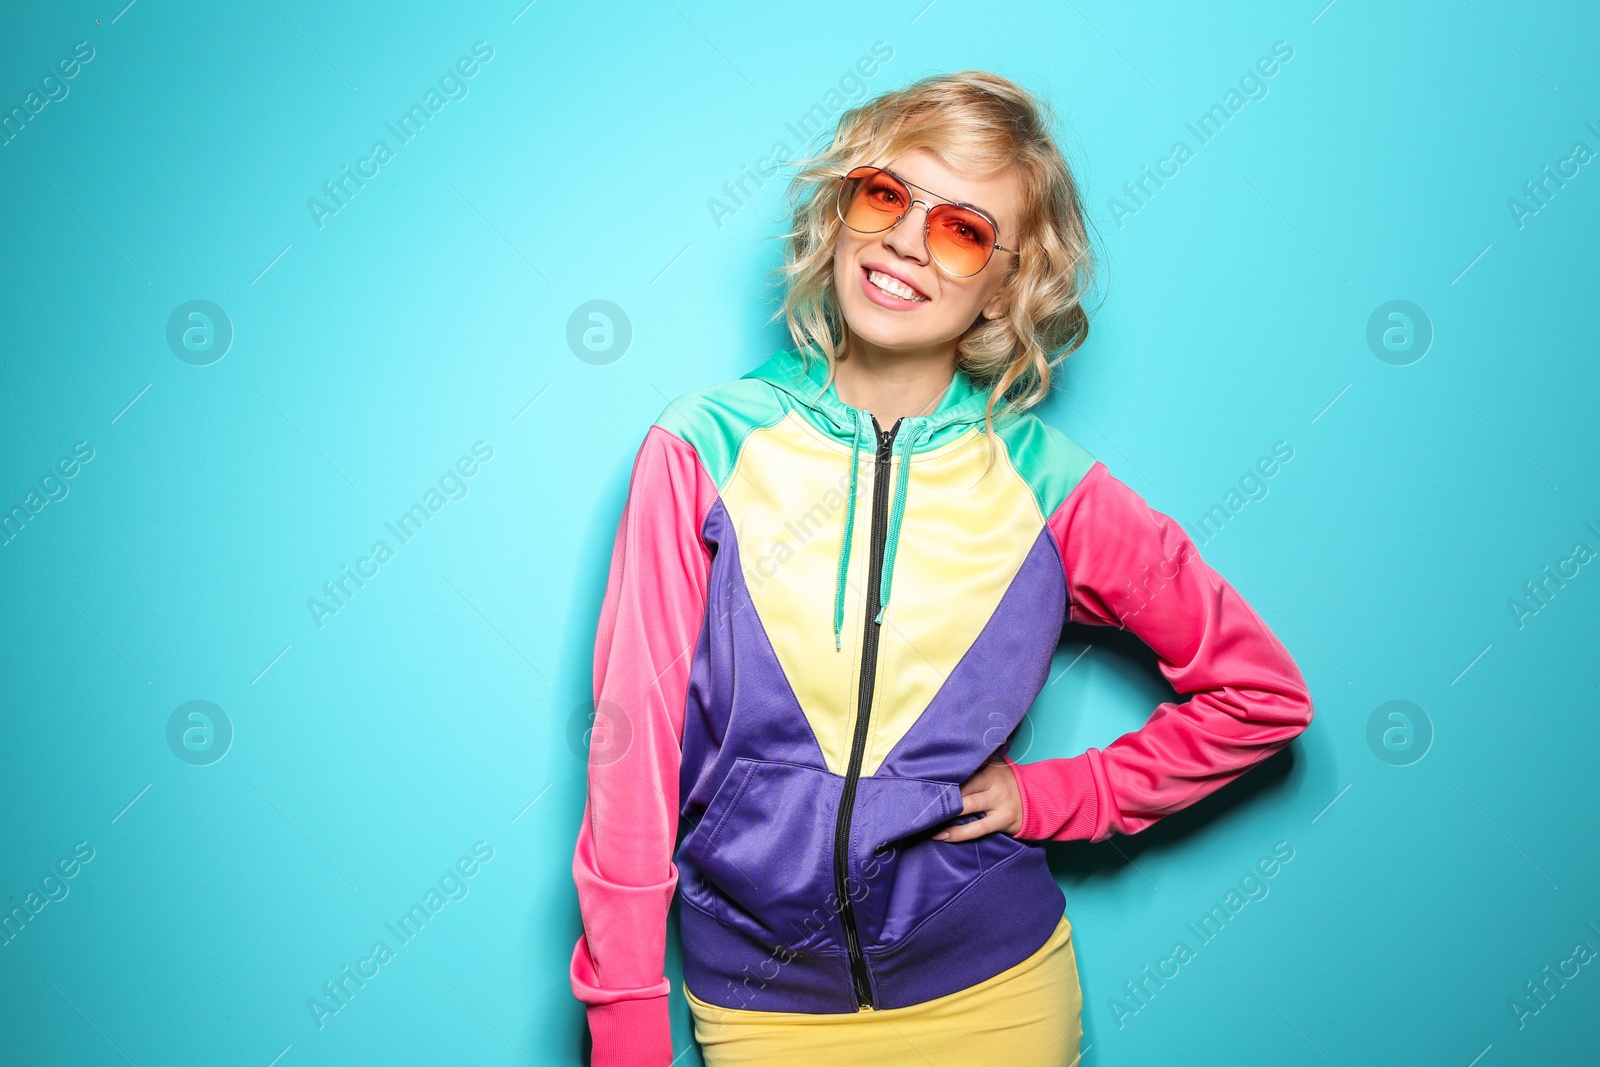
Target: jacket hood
x,y
962,405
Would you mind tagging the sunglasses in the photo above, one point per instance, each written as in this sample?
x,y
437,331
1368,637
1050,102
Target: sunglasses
x,y
961,239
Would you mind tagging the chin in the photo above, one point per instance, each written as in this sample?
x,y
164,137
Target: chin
x,y
887,329
890,338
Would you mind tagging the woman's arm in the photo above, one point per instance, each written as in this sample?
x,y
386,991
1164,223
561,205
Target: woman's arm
x,y
1129,565
650,621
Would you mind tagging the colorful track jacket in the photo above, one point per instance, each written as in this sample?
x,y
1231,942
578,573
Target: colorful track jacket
x,y
813,631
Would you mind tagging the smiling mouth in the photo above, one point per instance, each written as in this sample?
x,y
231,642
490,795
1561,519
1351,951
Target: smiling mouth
x,y
892,286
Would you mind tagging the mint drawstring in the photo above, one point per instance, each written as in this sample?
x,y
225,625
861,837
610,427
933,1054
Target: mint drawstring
x,y
849,529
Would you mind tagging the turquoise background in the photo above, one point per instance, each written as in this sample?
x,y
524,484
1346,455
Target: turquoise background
x,y
443,705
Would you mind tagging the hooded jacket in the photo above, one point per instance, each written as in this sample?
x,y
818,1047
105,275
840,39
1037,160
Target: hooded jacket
x,y
814,630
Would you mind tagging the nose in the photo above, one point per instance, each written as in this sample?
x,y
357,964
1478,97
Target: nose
x,y
909,236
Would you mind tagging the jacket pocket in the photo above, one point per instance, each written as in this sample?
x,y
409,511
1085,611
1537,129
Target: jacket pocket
x,y
760,859
905,875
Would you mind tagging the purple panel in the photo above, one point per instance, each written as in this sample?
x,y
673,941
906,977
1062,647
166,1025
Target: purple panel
x,y
993,925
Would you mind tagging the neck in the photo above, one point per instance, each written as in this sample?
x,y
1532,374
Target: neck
x,y
892,383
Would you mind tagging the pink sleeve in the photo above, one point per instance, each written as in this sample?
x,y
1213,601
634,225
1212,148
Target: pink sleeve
x,y
1129,565
650,623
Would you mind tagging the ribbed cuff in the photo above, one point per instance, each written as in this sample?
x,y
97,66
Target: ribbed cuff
x,y
1022,796
1058,799
631,1033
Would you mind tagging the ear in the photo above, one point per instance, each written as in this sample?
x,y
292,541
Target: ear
x,y
999,303
996,307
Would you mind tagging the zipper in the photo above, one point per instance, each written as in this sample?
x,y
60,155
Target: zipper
x,y
869,664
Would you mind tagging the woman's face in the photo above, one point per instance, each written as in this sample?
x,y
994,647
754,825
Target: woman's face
x,y
943,307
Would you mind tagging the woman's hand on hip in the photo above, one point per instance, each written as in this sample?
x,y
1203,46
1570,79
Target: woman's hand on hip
x,y
993,791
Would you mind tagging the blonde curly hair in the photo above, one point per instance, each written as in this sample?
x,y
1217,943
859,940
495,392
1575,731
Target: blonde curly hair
x,y
980,123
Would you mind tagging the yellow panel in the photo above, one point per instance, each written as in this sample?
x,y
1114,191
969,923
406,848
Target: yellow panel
x,y
787,497
962,543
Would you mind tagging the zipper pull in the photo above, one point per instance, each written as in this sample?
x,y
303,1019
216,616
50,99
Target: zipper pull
x,y
885,437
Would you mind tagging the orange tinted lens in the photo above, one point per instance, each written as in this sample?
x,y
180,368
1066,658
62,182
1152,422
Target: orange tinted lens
x,y
959,239
873,200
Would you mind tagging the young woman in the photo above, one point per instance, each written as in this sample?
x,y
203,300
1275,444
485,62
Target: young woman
x,y
836,589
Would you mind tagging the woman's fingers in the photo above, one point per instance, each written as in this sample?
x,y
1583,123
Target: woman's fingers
x,y
976,827
973,800
991,790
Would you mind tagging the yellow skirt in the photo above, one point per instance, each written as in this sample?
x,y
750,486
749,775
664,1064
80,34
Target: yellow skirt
x,y
1028,1015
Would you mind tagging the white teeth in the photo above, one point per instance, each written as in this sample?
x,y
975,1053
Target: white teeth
x,y
893,286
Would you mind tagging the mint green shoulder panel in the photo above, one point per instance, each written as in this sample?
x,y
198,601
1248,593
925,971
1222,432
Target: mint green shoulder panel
x,y
716,420
1048,460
